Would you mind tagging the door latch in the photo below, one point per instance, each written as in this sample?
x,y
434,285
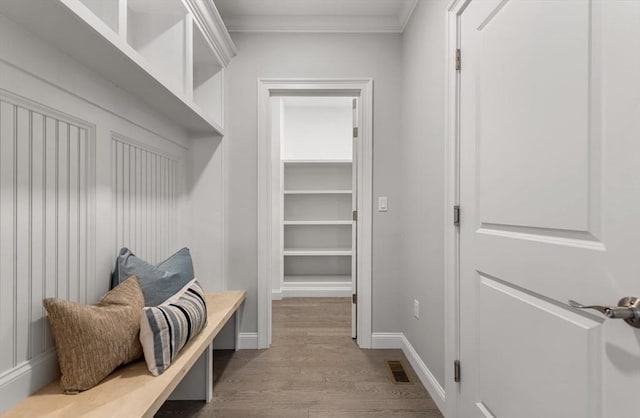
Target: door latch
x,y
628,309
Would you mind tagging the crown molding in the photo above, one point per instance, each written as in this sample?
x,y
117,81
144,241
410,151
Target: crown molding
x,y
214,29
320,24
406,12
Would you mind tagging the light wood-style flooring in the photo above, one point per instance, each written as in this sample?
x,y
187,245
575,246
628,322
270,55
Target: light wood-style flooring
x,y
312,370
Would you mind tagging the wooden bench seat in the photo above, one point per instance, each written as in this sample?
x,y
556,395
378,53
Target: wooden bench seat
x,y
131,391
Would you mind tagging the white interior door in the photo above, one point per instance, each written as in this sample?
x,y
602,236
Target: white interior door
x,y
354,228
550,207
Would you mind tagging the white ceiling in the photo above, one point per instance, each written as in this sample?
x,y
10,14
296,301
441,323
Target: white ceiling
x,y
356,16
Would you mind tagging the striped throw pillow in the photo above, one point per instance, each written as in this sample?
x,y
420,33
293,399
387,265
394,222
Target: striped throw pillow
x,y
165,329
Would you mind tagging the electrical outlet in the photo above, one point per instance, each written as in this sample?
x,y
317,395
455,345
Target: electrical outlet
x,y
416,309
382,204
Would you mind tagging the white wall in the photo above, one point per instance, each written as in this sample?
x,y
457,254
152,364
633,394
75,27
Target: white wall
x,y
422,181
273,55
317,131
205,206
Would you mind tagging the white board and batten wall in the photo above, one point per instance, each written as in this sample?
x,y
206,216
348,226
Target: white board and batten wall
x,y
315,151
88,166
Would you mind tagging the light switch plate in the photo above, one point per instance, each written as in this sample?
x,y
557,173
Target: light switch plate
x,y
382,204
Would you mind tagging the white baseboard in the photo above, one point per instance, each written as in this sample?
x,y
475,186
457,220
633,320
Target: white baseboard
x,y
27,378
426,377
316,293
276,294
386,340
248,341
397,340
297,290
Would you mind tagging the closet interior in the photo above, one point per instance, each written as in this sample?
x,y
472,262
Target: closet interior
x,y
317,196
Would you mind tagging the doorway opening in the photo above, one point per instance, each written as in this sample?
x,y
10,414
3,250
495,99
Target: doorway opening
x,y
316,137
315,188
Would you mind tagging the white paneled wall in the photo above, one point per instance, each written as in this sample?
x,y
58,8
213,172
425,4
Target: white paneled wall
x,y
146,189
85,169
46,223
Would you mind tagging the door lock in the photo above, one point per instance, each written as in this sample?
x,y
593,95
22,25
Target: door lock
x,y
628,309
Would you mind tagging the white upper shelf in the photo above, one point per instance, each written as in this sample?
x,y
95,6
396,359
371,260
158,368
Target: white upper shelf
x,y
100,43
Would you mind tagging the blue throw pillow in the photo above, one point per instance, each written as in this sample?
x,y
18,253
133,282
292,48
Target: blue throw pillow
x,y
158,283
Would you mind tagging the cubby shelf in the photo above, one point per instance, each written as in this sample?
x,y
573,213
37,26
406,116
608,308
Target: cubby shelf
x,y
107,10
158,32
144,47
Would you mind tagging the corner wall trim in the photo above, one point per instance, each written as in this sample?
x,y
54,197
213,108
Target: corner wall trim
x,y
426,377
248,341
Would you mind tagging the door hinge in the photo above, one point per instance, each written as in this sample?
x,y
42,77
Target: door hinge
x,y
456,371
355,132
456,215
355,215
355,103
458,59
354,299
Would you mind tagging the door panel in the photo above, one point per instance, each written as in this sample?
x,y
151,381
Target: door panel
x,y
533,104
550,197
515,349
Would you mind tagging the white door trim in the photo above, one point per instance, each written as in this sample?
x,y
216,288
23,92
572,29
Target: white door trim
x,y
452,198
269,209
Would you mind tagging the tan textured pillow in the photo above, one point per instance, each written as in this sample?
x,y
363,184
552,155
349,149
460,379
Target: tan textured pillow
x,y
92,340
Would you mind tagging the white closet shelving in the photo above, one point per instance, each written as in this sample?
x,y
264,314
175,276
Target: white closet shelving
x,y
319,192
317,227
170,54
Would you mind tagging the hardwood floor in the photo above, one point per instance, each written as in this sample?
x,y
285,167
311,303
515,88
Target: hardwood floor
x,y
312,370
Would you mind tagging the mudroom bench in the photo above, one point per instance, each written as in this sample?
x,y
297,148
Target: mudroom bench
x,y
132,391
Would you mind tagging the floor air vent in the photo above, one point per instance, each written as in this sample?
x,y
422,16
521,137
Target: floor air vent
x,y
398,374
